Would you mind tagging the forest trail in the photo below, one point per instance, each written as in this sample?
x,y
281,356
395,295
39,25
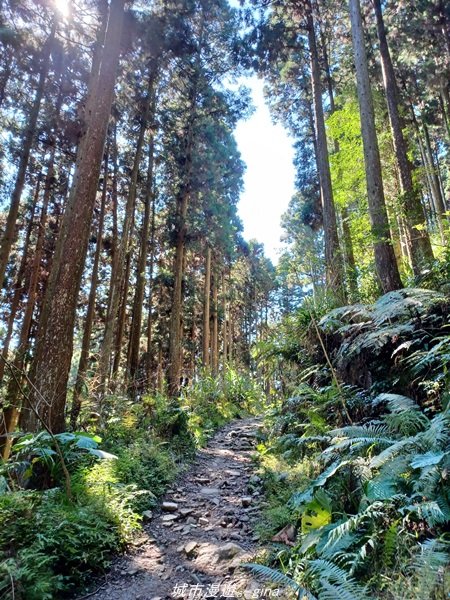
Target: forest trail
x,y
194,543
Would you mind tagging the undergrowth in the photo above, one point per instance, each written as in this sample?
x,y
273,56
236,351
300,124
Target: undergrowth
x,y
56,535
362,509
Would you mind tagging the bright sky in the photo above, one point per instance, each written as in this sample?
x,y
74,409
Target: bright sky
x,y
269,180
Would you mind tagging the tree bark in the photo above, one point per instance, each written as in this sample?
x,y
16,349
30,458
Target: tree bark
x,y
149,359
224,323
118,272
90,313
206,308
11,414
417,237
136,320
19,283
333,256
54,344
215,327
9,235
385,262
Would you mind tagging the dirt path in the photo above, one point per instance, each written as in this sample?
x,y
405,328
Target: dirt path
x,y
192,548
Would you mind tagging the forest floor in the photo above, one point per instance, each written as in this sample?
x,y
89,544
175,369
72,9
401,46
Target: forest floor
x,y
194,544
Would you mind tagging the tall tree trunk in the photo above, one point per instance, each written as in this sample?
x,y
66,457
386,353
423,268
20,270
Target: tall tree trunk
x,y
439,200
333,257
54,344
149,359
90,312
215,327
122,316
5,75
206,308
19,283
136,320
385,262
433,184
417,237
11,414
351,271
182,201
9,234
118,273
175,337
224,323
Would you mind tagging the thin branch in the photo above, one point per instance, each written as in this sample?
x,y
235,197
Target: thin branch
x,y
333,372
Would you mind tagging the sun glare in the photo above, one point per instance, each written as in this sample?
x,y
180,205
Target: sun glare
x,y
63,6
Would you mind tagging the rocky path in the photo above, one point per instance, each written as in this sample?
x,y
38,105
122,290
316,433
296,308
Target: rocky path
x,y
193,546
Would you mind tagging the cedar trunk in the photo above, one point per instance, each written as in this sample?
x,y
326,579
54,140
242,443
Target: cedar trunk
x,y
417,237
9,235
54,344
333,257
385,262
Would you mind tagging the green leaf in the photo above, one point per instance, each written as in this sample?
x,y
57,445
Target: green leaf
x,y
427,459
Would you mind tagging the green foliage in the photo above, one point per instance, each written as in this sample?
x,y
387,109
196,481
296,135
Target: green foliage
x,y
51,545
212,401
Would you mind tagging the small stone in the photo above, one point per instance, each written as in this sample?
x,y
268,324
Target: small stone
x,y
147,515
132,571
169,507
190,521
190,548
202,479
184,512
246,501
229,551
209,491
203,521
169,518
232,472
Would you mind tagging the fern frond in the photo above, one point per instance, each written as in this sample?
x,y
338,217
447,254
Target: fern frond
x,y
275,576
429,511
349,591
432,558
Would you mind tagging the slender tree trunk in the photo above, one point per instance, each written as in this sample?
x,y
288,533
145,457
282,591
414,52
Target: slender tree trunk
x,y
444,101
386,265
90,313
19,284
122,316
206,308
224,323
118,273
434,191
136,322
418,240
175,337
215,327
182,201
149,359
9,234
439,200
6,74
352,274
11,414
333,257
51,364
